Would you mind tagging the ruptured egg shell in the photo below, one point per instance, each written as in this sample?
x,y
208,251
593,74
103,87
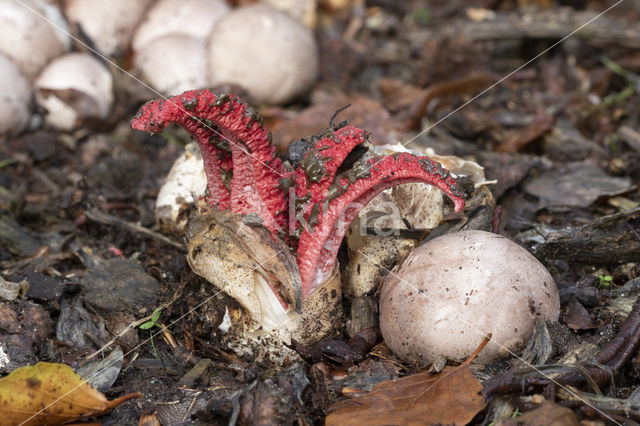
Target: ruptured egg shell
x,y
74,87
184,184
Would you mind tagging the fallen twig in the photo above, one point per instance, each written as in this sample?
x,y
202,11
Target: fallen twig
x,y
107,219
608,363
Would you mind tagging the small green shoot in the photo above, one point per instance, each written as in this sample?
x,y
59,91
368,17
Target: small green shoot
x,y
421,16
619,96
633,82
605,280
513,415
6,162
612,142
153,322
614,67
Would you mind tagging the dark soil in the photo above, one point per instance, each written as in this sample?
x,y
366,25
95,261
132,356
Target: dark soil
x,y
561,136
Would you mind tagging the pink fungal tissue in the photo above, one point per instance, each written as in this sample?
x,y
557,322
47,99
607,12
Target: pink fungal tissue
x,y
310,205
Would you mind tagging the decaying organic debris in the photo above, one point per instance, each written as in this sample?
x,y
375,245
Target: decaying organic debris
x,y
270,215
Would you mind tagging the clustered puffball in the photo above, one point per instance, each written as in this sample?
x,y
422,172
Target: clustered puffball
x,y
109,24
73,87
194,18
15,98
27,39
269,53
453,290
170,43
177,46
174,63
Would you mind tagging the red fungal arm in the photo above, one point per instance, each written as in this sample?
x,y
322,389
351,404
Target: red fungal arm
x,y
319,243
317,170
154,116
234,143
245,175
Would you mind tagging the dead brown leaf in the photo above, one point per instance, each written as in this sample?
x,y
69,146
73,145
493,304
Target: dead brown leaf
x,y
471,84
449,397
516,140
363,112
577,317
48,393
549,414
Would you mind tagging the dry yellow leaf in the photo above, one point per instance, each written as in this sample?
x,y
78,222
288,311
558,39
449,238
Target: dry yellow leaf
x,y
48,393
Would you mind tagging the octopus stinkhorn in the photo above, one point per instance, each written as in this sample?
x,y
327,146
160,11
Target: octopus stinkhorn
x,y
305,209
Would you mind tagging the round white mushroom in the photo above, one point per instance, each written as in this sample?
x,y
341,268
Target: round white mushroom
x,y
195,18
74,87
28,36
269,53
15,97
109,24
451,292
174,63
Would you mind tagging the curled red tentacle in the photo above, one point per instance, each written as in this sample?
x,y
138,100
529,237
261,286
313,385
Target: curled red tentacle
x,y
246,176
317,171
241,164
331,216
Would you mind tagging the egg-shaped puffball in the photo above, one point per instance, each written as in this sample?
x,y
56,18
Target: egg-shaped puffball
x,y
74,87
28,36
15,97
174,63
109,24
269,53
195,18
452,291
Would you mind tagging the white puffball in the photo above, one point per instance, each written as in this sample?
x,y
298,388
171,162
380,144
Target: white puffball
x,y
15,97
269,53
27,38
174,63
451,292
73,87
195,18
109,24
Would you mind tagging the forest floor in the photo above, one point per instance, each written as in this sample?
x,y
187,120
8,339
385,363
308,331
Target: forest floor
x,y
555,121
